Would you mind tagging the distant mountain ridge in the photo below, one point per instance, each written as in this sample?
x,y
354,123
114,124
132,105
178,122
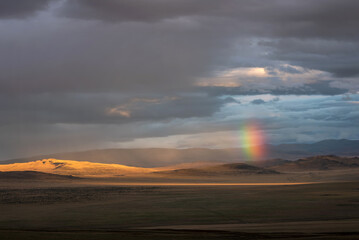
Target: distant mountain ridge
x,y
343,147
317,163
160,157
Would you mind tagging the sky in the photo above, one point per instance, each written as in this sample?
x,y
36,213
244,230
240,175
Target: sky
x,y
89,74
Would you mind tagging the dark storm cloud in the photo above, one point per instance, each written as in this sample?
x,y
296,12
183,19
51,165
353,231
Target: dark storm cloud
x,y
140,10
90,57
96,108
316,88
182,107
164,45
285,18
85,67
335,56
21,9
305,14
258,101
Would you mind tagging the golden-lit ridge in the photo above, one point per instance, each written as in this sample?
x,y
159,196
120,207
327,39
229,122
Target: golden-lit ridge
x,y
75,168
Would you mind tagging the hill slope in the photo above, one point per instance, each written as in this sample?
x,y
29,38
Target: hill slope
x,y
317,163
76,168
231,169
33,175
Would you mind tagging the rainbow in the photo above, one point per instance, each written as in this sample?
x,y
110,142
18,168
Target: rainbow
x,y
252,140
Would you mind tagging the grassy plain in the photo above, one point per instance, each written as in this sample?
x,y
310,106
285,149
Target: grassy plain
x,y
76,210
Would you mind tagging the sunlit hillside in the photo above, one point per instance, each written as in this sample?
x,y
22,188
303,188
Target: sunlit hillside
x,y
75,168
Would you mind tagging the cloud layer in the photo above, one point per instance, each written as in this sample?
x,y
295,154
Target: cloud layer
x,y
171,67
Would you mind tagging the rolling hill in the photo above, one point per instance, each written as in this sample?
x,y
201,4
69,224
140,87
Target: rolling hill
x,y
54,168
231,169
160,157
75,168
317,163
